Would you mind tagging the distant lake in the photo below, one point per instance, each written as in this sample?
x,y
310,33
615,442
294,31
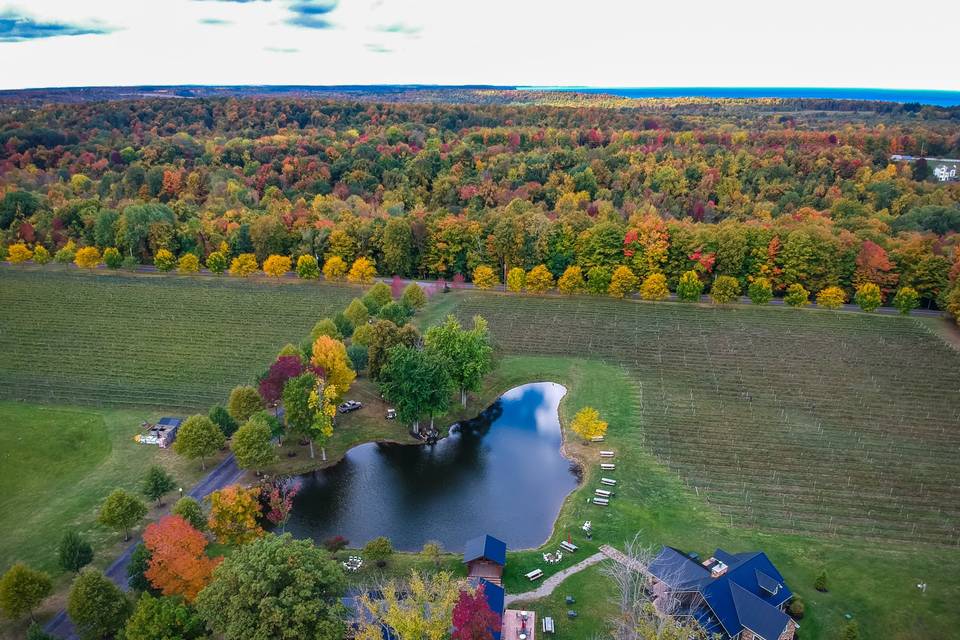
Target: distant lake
x,y
938,98
501,473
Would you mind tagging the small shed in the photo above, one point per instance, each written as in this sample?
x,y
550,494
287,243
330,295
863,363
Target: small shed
x,y
485,558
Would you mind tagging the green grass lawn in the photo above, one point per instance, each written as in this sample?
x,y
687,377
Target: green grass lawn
x,y
113,339
58,465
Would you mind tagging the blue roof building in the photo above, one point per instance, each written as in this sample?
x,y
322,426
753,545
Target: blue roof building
x,y
485,558
733,595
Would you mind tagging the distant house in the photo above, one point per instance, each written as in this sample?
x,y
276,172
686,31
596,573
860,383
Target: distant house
x,y
485,558
738,596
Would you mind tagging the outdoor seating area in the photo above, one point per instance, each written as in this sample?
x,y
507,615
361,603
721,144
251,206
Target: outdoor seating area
x,y
519,625
162,434
548,626
568,546
353,564
553,558
601,497
534,575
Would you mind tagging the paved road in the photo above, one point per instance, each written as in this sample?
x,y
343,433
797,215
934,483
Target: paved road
x,y
224,474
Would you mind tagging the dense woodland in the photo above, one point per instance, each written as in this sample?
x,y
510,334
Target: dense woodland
x,y
434,190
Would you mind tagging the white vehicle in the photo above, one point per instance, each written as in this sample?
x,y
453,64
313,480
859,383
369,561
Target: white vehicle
x,y
349,405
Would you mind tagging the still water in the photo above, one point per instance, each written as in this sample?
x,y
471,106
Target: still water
x,y
501,473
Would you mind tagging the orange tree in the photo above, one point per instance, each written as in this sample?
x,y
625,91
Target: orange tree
x,y
178,561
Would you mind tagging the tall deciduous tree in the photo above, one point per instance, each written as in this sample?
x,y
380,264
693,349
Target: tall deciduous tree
x,y
330,357
282,369
252,444
121,511
419,607
468,353
233,514
244,402
163,618
157,484
97,607
22,589
416,381
178,560
198,437
276,587
472,617
587,424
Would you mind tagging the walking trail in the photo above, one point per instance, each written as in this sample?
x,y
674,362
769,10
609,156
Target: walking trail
x,y
549,584
225,473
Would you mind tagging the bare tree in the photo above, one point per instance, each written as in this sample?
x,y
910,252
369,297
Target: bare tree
x,y
646,607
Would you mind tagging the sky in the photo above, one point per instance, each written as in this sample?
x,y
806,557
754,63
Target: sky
x,y
599,43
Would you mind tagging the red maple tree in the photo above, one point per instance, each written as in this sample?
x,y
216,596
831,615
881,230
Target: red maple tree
x,y
472,617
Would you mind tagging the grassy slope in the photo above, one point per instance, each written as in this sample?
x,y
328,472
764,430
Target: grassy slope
x,y
112,339
59,464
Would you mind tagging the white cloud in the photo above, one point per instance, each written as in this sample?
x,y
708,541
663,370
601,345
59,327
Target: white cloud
x,y
529,42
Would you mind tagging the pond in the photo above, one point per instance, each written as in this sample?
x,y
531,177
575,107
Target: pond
x,y
501,473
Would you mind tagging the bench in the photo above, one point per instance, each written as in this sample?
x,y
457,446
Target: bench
x,y
533,575
608,481
607,466
603,493
568,546
606,454
596,439
548,625
601,501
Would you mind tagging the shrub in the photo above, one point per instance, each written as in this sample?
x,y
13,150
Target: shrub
x,y
396,313
378,295
112,258
485,278
130,263
378,549
655,287
334,269
66,254
820,584
797,296
539,280
276,266
191,511
188,263
362,271
760,291
413,296
164,260
906,300
690,287
516,278
572,282
217,262
307,268
18,253
243,265
598,281
362,335
869,297
725,289
851,631
222,418
344,326
831,298
622,283
41,255
796,609
335,543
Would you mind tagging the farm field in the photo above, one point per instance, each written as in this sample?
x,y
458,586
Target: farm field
x,y
115,340
799,422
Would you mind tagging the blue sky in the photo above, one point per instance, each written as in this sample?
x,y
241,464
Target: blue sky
x,y
835,43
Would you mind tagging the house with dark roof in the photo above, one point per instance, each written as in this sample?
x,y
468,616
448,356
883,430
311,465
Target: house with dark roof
x,y
485,558
739,596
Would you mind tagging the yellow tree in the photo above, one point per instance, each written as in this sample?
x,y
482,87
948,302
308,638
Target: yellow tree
x,y
484,277
189,263
323,404
276,265
362,271
515,279
831,298
233,514
334,268
572,281
587,424
17,253
655,287
539,280
419,607
330,355
622,282
243,265
87,257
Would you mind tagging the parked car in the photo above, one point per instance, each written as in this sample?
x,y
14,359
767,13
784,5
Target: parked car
x,y
348,406
391,414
